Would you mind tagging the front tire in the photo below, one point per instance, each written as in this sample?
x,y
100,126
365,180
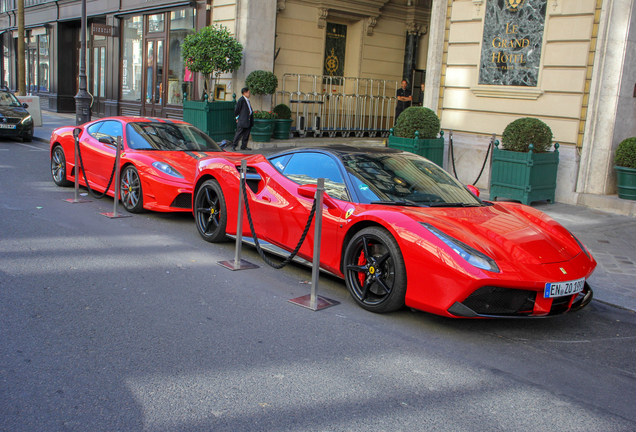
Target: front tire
x,y
374,270
58,167
132,197
210,213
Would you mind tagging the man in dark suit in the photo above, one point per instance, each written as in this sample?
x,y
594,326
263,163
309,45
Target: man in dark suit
x,y
244,120
404,99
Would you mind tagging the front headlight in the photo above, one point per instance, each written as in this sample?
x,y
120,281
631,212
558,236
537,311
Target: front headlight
x,y
470,255
167,169
581,245
27,119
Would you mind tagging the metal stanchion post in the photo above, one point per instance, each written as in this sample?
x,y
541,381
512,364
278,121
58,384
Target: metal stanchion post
x,y
116,187
238,263
313,301
76,200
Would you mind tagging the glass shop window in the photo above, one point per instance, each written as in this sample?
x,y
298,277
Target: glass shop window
x,y
132,30
182,24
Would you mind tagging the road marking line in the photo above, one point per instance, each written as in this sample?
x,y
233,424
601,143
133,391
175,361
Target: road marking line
x,y
33,147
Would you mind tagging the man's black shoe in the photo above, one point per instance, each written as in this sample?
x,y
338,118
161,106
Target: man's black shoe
x,y
245,148
233,148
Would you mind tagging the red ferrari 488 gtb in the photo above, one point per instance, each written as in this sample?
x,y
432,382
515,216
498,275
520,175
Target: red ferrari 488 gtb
x,y
401,231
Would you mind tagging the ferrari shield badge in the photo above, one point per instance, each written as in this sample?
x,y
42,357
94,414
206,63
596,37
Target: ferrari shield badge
x,y
563,271
349,213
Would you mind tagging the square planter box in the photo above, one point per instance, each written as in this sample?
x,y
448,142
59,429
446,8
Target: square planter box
x,y
431,149
524,177
626,182
216,119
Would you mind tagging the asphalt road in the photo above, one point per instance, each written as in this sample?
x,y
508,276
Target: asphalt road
x,y
130,325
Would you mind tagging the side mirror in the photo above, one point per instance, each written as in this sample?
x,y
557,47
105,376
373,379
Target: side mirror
x,y
106,140
473,190
25,105
76,132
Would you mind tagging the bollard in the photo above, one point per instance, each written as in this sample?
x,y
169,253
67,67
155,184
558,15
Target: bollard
x,y
313,301
115,214
76,200
238,263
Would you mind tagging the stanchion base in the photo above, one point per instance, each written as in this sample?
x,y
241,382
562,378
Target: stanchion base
x,y
112,215
321,302
76,201
243,265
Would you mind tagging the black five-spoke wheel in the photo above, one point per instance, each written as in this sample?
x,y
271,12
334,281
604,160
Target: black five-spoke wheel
x,y
374,270
58,167
209,212
131,194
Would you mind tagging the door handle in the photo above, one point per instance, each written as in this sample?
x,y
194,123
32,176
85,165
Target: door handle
x,y
267,199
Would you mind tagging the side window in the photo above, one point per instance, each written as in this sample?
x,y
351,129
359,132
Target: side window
x,y
280,162
307,168
111,129
92,129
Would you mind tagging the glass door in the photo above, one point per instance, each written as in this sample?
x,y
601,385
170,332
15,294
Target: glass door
x,y
97,81
155,86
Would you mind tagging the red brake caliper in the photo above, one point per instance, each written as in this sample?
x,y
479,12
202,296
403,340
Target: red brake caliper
x,y
361,262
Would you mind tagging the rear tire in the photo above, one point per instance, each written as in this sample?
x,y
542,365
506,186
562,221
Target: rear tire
x,y
58,167
210,213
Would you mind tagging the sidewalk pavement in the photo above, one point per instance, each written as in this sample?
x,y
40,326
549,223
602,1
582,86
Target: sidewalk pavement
x,y
610,237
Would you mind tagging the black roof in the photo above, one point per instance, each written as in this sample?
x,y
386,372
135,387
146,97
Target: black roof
x,y
341,150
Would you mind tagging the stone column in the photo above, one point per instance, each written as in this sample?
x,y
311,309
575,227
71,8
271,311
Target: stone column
x,y
435,53
256,31
612,106
410,52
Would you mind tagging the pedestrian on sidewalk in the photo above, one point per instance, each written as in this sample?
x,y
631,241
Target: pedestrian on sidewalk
x,y
244,119
403,99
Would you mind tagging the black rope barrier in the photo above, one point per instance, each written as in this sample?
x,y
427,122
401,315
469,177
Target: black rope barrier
x,y
86,180
485,160
258,246
452,152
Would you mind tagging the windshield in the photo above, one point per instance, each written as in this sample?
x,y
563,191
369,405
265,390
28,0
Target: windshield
x,y
7,99
405,179
168,137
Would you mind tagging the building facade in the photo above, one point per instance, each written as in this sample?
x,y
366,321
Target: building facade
x,y
485,63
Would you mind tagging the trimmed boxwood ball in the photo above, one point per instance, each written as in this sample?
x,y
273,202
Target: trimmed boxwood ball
x,y
522,132
283,111
626,153
421,119
262,82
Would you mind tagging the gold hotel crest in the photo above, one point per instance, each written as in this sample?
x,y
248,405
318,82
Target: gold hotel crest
x,y
514,5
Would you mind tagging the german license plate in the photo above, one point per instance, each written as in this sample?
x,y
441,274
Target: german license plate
x,y
6,126
560,289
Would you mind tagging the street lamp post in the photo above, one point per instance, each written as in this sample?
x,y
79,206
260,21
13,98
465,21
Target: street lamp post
x,y
82,98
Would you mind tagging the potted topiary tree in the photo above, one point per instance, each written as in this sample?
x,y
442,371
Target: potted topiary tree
x,y
525,170
263,126
262,82
283,122
211,51
416,131
625,161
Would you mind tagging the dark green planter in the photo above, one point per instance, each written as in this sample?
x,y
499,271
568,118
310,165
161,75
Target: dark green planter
x,y
216,119
626,182
524,177
262,130
282,128
431,149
